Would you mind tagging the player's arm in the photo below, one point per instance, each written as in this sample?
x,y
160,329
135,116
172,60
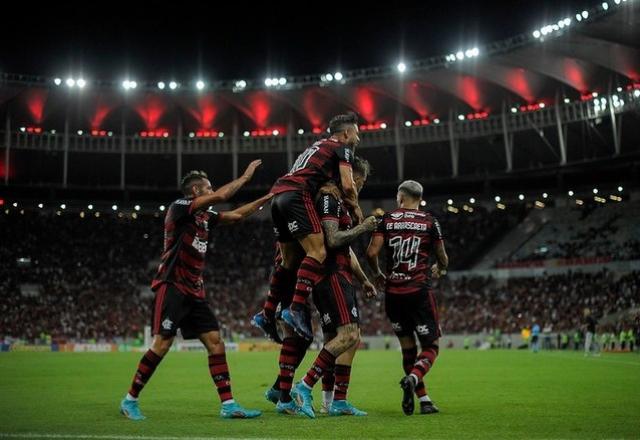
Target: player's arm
x,y
350,197
442,259
369,289
336,238
375,246
244,211
227,191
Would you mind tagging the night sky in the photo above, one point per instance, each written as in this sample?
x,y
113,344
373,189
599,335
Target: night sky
x,y
184,40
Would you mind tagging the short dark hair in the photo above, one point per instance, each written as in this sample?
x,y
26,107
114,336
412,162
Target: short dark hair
x,y
411,188
362,166
189,179
341,122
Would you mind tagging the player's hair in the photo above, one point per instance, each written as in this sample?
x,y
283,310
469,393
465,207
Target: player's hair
x,y
411,188
342,122
189,179
362,166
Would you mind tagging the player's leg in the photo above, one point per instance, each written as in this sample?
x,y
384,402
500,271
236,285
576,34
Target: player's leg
x,y
409,349
168,309
342,372
328,378
292,353
219,370
304,225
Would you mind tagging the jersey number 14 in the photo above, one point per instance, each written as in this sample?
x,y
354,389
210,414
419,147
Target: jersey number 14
x,y
405,251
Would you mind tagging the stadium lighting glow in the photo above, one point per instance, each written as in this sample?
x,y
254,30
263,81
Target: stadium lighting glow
x,y
221,134
636,93
329,77
300,131
461,117
63,206
70,82
436,121
15,204
570,193
199,84
514,110
449,202
267,82
90,207
521,197
497,198
57,81
617,2
536,34
338,76
173,85
605,6
114,207
161,85
276,132
472,200
240,84
541,105
567,100
282,81
595,190
545,195
80,132
383,125
161,208
246,134
81,83
128,84
585,14
137,207
402,67
407,123
40,205
620,189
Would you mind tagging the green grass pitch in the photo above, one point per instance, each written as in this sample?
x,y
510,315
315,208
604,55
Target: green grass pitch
x,y
490,394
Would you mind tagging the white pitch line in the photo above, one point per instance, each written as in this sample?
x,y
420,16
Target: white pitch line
x,y
35,435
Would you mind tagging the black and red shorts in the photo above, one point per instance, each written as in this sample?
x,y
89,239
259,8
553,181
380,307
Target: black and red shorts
x,y
294,216
173,310
414,313
335,299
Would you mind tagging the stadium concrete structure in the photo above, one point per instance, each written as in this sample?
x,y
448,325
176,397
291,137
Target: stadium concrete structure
x,y
556,108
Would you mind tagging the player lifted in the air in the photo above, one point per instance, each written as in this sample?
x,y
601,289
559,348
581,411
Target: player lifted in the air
x,y
179,289
410,238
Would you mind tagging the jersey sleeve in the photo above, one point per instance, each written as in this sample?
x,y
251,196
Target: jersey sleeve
x,y
181,208
329,208
214,217
436,232
345,155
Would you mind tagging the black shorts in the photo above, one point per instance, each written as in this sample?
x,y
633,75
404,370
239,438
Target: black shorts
x,y
294,216
173,310
414,313
335,299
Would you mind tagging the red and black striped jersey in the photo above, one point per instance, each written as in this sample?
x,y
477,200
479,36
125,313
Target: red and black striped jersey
x,y
331,209
186,236
410,236
315,166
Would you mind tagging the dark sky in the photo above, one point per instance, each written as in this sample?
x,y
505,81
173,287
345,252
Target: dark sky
x,y
183,40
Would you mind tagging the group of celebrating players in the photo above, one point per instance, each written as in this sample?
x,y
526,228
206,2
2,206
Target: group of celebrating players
x,y
316,216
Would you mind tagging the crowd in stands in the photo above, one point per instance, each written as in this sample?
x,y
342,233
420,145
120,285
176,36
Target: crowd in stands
x,y
77,278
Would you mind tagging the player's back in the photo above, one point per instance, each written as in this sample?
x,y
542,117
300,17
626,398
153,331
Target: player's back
x,y
410,236
315,166
338,259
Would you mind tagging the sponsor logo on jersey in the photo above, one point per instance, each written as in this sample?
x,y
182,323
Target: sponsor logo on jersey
x,y
166,324
293,226
326,319
397,215
422,330
325,204
199,245
396,326
183,202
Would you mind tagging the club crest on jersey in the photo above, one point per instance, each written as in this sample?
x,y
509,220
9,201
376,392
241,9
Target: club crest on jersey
x,y
326,318
166,324
354,312
397,215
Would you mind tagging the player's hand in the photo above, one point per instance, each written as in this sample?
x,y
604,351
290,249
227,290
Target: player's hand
x,y
380,279
370,223
251,169
359,217
369,290
436,272
331,189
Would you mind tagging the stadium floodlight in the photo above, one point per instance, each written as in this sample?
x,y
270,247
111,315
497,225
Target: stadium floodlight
x,y
300,131
240,84
407,123
383,125
472,200
578,17
497,198
81,83
161,85
436,121
545,195
536,34
514,110
57,81
567,100
90,207
402,67
541,105
40,205
63,206
521,197
423,203
80,132
570,193
276,132
567,21
246,134
267,82
449,202
461,117
585,14
137,207
282,81
173,85
162,208
338,76
114,207
617,2
199,84
15,204
221,134
328,77
70,82
636,93
595,190
620,189
23,129
605,6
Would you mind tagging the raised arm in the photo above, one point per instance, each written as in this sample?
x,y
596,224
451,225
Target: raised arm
x,y
227,191
244,211
348,186
336,238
